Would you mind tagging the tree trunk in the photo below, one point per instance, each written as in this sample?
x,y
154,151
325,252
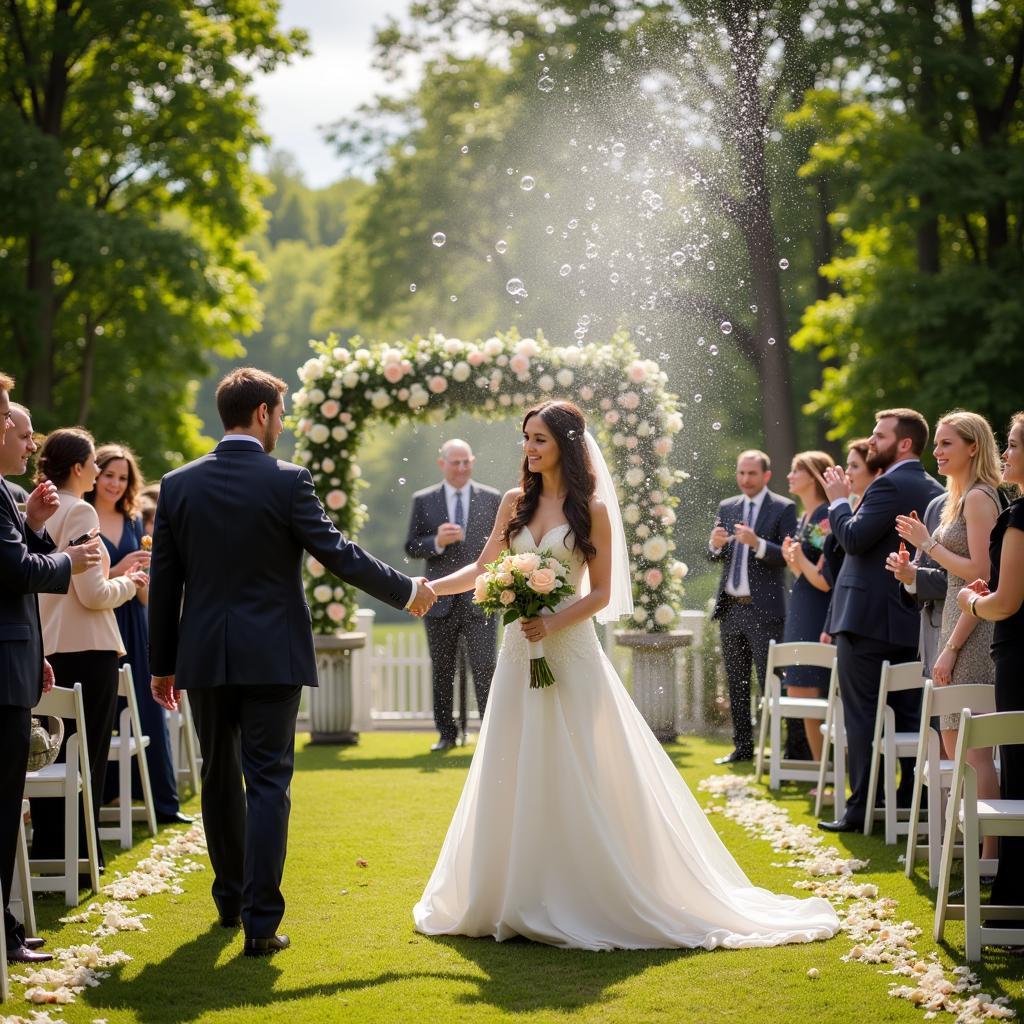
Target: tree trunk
x,y
38,331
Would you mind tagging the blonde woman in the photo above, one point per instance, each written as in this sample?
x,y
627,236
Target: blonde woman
x,y
967,455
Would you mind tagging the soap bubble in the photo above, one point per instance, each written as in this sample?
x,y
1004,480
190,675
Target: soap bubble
x,y
618,150
564,270
515,286
783,264
526,183
678,258
412,287
439,238
501,246
545,83
716,425
725,327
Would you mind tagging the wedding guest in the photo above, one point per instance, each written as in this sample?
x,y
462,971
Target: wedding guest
x,y
28,565
147,513
809,598
870,623
22,444
80,634
751,601
116,500
1001,601
967,455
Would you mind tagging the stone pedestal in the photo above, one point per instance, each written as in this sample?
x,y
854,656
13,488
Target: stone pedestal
x,y
654,676
331,703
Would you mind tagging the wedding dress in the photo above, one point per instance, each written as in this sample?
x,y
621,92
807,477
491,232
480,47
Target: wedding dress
x,y
575,829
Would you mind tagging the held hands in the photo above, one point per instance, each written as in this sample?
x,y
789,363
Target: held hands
x,y
912,530
49,679
964,595
165,693
448,533
837,483
41,504
900,565
84,556
424,599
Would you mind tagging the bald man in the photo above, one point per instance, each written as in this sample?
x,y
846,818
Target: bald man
x,y
450,524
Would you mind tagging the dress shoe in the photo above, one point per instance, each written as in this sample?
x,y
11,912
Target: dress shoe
x,y
177,818
24,955
442,745
843,824
266,947
33,942
734,758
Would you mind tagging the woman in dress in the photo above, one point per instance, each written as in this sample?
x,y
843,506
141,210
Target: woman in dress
x,y
967,455
115,498
1001,601
574,828
80,634
809,598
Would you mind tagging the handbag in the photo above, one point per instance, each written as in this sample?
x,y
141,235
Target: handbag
x,y
44,741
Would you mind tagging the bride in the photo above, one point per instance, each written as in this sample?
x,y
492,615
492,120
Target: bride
x,y
574,827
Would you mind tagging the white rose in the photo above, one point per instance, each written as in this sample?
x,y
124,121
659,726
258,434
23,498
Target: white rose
x,y
391,355
350,379
318,433
342,355
656,548
634,476
493,346
380,400
528,347
643,530
664,615
640,615
546,383
323,593
327,465
678,570
673,422
461,371
312,369
363,355
316,396
339,433
564,377
453,346
631,514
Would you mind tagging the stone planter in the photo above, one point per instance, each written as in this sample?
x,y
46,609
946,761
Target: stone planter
x,y
654,676
331,703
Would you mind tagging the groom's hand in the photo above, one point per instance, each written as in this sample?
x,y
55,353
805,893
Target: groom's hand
x,y
165,693
424,599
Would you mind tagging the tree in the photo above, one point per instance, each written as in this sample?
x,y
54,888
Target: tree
x,y
125,192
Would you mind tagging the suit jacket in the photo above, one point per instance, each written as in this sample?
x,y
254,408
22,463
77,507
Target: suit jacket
x,y
776,520
226,601
429,512
84,620
866,598
929,595
27,567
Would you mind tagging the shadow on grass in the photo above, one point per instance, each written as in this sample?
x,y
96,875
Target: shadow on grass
x,y
317,758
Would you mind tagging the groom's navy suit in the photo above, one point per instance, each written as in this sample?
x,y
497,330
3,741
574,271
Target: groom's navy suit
x,y
869,619
749,623
228,618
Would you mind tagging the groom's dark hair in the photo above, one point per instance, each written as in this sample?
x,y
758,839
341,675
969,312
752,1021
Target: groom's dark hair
x,y
243,391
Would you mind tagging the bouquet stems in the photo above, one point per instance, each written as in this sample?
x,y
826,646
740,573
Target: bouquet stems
x,y
540,671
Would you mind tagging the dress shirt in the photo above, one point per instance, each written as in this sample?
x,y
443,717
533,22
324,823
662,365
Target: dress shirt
x,y
449,503
743,589
259,443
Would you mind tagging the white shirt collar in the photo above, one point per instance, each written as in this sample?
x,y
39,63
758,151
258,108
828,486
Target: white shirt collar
x,y
902,462
758,498
241,437
450,492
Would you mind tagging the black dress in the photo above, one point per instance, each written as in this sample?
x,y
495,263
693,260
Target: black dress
x,y
808,606
1008,655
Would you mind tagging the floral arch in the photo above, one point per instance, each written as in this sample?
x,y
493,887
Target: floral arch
x,y
349,390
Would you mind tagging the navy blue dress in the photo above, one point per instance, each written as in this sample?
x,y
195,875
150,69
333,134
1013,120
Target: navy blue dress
x,y
134,626
808,606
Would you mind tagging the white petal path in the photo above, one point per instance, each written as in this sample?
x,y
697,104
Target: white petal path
x,y
869,920
77,968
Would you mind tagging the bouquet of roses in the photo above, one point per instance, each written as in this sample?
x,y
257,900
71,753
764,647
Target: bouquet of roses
x,y
522,586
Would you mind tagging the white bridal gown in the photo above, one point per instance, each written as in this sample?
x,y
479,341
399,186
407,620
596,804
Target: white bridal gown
x,y
575,829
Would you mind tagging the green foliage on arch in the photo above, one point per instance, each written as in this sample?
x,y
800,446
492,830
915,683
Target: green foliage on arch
x,y
347,391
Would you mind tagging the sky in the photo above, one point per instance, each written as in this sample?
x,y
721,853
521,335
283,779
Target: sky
x,y
329,84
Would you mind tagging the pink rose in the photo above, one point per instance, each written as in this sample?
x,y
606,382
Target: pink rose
x,y
437,385
663,445
637,372
519,364
393,373
507,597
542,581
505,579
586,392
475,358
336,500
526,562
653,578
336,612
611,417
480,590
330,409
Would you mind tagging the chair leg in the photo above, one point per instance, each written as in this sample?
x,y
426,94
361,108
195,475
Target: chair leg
x,y
70,846
23,875
935,825
775,725
823,769
945,868
5,983
762,735
972,886
147,789
915,816
124,786
92,839
889,767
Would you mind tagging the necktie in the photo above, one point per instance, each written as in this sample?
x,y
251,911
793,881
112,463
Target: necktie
x,y
460,512
740,550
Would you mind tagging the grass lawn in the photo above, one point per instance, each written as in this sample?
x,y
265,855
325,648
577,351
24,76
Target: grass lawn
x,y
355,956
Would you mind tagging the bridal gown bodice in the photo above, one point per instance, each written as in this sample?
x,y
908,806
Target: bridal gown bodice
x,y
574,827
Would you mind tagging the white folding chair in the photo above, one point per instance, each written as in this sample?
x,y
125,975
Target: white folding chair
x,y
65,780
181,730
21,904
775,707
888,746
833,731
975,819
5,982
128,743
933,771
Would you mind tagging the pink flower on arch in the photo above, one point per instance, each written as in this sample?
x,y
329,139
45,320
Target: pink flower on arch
x,y
519,364
393,373
437,385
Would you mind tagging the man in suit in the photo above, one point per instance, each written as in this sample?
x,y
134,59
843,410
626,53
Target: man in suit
x,y
750,604
923,587
229,623
869,621
449,526
27,567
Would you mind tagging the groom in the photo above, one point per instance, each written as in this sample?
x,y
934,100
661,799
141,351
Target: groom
x,y
229,622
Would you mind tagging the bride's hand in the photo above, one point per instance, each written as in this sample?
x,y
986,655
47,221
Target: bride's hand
x,y
534,629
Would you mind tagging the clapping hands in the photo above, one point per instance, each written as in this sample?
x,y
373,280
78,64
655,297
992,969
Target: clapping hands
x,y
424,599
41,504
837,483
900,565
912,530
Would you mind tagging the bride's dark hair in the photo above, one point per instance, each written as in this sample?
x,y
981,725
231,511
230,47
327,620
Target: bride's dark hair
x,y
567,426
